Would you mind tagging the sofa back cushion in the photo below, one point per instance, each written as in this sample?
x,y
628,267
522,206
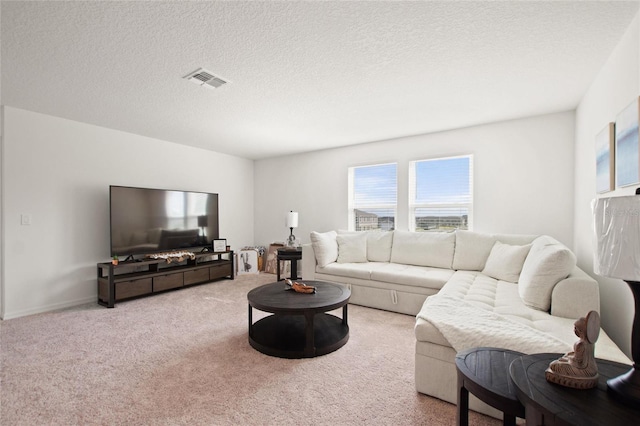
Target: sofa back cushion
x,y
505,261
379,246
433,249
548,262
515,239
352,247
325,247
472,250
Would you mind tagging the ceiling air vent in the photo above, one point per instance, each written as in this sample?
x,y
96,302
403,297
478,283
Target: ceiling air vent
x,y
205,78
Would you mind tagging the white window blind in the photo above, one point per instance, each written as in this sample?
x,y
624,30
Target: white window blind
x,y
441,194
373,196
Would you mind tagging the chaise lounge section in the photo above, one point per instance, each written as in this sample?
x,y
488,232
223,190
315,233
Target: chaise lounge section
x,y
467,289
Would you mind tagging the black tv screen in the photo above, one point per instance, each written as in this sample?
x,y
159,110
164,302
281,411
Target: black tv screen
x,y
145,220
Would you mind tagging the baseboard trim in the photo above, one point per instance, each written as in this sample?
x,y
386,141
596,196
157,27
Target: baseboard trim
x,y
48,308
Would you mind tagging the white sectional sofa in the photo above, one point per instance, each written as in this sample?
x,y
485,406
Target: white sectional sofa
x,y
467,289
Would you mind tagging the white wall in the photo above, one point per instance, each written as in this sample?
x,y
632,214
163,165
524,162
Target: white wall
x,y
615,87
523,179
59,171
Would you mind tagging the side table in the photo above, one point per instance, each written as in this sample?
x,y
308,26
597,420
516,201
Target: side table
x,y
292,255
485,373
550,404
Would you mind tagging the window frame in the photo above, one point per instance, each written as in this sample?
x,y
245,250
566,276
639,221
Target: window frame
x,y
351,204
413,205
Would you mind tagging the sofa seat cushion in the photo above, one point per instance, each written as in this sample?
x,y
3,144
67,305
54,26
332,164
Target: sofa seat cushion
x,y
473,287
427,332
502,297
394,273
416,276
350,270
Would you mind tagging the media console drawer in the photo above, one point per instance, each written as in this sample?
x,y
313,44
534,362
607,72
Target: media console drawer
x,y
196,276
220,271
166,282
126,289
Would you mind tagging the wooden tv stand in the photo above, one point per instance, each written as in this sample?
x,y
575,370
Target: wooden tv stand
x,y
137,278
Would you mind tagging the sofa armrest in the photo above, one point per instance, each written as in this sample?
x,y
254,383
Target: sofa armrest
x,y
308,262
575,296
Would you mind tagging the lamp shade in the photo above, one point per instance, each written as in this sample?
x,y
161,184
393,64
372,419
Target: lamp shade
x,y
617,237
292,219
617,255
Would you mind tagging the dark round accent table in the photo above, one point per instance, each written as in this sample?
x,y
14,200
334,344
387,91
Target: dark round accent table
x,y
300,326
291,255
550,404
485,373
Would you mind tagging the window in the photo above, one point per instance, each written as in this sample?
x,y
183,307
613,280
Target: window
x,y
373,194
441,194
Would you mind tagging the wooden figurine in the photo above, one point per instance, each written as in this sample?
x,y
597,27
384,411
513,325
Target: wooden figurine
x,y
578,369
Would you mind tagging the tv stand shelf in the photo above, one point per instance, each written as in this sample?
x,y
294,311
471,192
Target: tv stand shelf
x,y
137,278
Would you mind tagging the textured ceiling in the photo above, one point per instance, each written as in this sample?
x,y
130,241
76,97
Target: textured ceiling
x,y
302,75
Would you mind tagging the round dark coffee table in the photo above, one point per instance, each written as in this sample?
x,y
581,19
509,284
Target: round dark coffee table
x,y
300,326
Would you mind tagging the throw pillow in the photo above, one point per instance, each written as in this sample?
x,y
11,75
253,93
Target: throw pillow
x,y
325,247
472,250
352,248
548,262
505,261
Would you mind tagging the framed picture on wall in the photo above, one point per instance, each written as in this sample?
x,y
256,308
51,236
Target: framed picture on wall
x,y
605,159
627,150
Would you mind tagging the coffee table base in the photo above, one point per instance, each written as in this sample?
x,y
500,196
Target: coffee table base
x,y
289,336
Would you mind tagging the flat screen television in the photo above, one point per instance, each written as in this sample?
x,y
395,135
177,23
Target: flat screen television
x,y
146,220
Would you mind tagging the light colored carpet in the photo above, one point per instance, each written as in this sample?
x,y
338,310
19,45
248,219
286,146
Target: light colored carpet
x,y
183,358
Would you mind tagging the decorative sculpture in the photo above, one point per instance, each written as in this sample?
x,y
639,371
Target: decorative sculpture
x,y
299,287
578,369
